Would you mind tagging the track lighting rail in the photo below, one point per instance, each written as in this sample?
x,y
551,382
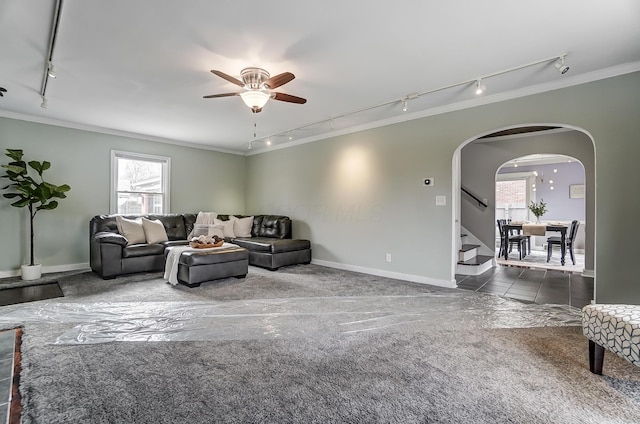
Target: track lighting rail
x,y
49,70
476,82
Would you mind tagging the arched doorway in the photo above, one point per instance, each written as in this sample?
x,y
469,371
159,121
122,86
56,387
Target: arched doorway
x,y
475,164
558,182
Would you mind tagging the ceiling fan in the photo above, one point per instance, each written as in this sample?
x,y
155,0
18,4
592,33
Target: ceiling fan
x,y
258,86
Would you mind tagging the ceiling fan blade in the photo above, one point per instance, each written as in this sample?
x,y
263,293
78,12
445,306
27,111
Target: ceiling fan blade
x,y
212,96
279,80
228,77
289,98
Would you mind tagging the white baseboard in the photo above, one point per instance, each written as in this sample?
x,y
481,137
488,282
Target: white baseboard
x,y
388,274
588,273
49,269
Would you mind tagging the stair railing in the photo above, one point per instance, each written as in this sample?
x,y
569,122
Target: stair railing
x,y
473,196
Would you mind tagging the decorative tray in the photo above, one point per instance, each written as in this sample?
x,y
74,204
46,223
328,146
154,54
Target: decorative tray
x,y
206,246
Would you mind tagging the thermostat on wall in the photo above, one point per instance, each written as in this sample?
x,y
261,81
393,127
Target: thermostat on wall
x,y
428,182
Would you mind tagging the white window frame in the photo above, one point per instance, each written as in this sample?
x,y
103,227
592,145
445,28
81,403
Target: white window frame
x,y
529,176
166,176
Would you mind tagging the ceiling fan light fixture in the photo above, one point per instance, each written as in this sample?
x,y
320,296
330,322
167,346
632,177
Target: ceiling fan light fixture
x,y
255,99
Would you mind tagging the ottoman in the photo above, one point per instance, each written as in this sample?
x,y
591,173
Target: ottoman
x,y
195,267
270,253
612,327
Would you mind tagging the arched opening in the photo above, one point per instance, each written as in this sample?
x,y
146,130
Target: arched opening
x,y
475,165
556,182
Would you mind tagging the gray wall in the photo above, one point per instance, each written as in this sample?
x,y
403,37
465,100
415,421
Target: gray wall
x,y
200,180
359,196
480,162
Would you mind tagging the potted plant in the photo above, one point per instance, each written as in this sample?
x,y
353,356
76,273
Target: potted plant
x,y
32,192
538,209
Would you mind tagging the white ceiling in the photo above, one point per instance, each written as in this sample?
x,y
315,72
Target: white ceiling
x,y
141,67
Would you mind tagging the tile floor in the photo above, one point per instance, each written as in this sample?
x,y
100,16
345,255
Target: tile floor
x,y
7,344
532,285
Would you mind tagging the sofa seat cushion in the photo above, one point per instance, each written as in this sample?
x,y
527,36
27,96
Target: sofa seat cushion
x,y
137,250
209,257
272,245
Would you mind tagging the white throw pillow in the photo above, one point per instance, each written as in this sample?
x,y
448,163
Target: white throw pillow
x,y
242,226
227,228
199,230
206,217
215,230
154,231
131,229
207,230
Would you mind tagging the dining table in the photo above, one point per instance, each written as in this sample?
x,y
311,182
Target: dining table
x,y
533,229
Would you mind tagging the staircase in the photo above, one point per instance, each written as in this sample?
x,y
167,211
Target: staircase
x,y
469,262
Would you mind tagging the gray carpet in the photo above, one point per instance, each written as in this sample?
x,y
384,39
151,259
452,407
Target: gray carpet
x,y
419,354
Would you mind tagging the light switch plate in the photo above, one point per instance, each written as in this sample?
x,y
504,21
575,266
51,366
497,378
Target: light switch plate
x,y
441,200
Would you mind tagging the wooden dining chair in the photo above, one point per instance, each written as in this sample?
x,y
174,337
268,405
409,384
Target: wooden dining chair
x,y
517,240
569,241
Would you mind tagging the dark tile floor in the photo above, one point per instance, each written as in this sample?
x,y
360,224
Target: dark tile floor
x,y
532,285
30,293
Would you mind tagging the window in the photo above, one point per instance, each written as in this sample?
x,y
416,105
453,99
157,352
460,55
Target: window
x,y
139,183
514,191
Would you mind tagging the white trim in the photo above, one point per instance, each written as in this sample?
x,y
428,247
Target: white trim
x,y
166,177
611,72
101,130
510,176
50,269
388,274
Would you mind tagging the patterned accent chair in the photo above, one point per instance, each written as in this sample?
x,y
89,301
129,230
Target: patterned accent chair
x,y
612,327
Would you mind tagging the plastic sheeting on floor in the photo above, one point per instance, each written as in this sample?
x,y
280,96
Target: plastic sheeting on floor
x,y
285,317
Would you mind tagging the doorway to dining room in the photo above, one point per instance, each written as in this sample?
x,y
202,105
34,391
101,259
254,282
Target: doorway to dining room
x,y
555,181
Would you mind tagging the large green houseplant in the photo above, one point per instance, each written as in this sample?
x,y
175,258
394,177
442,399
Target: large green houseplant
x,y
32,192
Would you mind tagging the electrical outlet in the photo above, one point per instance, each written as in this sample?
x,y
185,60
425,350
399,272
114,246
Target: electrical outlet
x,y
388,257
441,200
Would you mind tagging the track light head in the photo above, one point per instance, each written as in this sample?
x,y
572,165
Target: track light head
x,y
405,105
560,65
44,103
480,87
52,71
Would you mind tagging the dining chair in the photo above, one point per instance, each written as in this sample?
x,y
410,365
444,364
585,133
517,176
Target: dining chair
x,y
518,240
569,241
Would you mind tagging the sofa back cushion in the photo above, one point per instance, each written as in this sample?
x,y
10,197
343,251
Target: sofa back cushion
x,y
272,226
173,224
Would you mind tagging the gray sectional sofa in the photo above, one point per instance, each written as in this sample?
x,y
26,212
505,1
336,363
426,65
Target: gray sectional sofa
x,y
270,246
